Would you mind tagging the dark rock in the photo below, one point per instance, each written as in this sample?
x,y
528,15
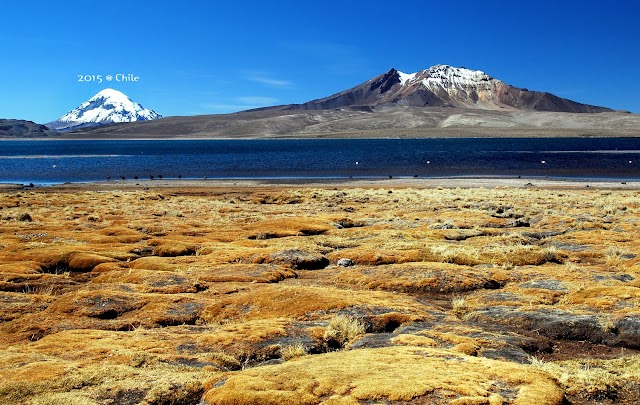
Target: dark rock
x,y
462,234
627,331
553,285
345,223
625,278
270,362
181,312
506,213
503,296
373,340
554,324
542,235
107,306
571,247
508,353
299,259
563,325
518,223
443,226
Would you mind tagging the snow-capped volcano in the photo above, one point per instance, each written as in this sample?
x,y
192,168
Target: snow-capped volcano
x,y
107,107
461,86
444,86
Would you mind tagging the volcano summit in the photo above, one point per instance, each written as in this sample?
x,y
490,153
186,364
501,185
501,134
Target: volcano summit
x,y
107,107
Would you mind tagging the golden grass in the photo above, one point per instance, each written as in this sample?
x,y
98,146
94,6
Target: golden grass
x,y
159,295
343,329
459,305
293,351
381,374
266,301
593,378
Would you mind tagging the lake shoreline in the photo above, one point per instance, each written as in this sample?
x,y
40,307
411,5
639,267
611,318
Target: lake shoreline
x,y
445,182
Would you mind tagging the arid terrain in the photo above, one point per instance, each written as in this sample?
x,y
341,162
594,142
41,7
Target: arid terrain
x,y
380,293
381,122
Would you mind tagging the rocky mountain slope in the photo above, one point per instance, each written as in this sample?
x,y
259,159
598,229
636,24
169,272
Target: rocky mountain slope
x,y
107,107
445,86
10,128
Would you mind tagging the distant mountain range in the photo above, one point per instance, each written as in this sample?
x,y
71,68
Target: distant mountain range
x,y
444,86
442,101
107,107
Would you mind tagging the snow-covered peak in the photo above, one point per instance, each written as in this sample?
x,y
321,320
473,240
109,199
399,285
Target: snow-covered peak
x,y
459,75
107,107
446,76
113,95
451,86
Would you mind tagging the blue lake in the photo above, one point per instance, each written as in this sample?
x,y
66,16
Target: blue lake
x,y
58,161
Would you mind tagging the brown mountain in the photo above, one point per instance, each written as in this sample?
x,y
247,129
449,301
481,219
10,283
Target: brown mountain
x,y
444,86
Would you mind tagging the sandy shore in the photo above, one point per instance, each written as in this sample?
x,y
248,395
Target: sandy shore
x,y
467,182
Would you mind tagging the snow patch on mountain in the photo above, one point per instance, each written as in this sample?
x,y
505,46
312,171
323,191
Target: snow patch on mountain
x,y
405,77
446,76
107,107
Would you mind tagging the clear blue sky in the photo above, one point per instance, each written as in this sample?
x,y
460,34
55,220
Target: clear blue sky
x,y
197,57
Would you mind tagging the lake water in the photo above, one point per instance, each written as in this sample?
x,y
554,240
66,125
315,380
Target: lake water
x,y
58,161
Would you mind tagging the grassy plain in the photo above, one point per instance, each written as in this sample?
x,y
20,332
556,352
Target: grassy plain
x,y
332,294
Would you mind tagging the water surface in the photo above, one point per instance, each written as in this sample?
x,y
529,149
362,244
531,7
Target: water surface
x,y
58,161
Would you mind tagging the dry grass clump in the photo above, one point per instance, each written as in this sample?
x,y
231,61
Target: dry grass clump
x,y
285,227
242,339
86,261
342,330
154,263
269,301
423,277
225,361
293,351
245,272
87,385
373,256
502,255
174,249
381,374
606,297
593,379
617,256
459,305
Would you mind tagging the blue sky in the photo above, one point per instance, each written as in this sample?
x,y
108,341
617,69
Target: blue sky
x,y
196,57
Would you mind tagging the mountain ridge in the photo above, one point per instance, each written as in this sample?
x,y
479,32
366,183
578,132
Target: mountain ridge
x,y
444,86
13,128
